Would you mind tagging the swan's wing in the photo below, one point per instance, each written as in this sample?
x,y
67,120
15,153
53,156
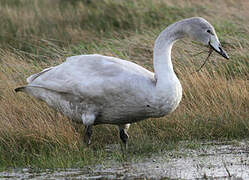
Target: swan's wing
x,y
94,76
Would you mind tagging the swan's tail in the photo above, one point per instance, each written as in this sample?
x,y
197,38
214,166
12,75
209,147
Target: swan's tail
x,y
20,89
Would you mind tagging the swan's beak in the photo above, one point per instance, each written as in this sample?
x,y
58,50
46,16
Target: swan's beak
x,y
215,45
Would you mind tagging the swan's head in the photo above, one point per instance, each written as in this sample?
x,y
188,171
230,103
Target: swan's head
x,y
202,31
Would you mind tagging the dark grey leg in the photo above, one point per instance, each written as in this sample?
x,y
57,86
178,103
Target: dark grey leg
x,y
124,135
88,134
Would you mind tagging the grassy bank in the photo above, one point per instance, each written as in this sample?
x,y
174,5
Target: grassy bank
x,y
36,34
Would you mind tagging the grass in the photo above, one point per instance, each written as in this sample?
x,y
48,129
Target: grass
x,y
38,34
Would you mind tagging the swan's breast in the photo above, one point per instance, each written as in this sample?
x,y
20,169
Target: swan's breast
x,y
168,98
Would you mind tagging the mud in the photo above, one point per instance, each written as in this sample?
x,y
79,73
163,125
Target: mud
x,y
212,160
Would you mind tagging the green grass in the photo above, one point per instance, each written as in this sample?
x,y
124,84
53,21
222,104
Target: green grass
x,y
38,34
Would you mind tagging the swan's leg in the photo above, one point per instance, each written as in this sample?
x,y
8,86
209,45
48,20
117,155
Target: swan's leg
x,y
123,129
88,134
88,120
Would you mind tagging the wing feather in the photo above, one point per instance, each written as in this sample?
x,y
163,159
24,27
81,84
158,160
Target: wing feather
x,y
34,76
92,76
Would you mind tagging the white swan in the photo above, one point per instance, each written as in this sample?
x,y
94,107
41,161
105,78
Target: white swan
x,y
96,89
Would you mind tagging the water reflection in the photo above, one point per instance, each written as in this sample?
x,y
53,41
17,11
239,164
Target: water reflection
x,y
211,161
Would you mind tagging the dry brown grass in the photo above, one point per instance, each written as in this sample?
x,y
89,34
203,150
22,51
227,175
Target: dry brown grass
x,y
24,117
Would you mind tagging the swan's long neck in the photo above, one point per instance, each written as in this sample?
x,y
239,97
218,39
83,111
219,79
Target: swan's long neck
x,y
168,90
162,53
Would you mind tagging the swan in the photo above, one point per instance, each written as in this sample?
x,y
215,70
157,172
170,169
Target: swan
x,y
95,89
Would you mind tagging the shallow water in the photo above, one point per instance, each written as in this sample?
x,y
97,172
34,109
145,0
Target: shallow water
x,y
229,160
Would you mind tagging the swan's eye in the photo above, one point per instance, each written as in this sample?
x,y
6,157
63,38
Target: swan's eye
x,y
210,32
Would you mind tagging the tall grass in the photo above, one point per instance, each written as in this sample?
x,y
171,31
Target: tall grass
x,y
38,34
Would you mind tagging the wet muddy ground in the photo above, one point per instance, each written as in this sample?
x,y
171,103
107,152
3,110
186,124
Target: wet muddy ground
x,y
212,160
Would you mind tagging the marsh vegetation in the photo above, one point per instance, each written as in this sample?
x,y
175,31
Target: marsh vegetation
x,y
37,34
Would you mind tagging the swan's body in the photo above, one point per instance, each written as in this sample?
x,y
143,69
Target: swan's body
x,y
115,91
96,89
